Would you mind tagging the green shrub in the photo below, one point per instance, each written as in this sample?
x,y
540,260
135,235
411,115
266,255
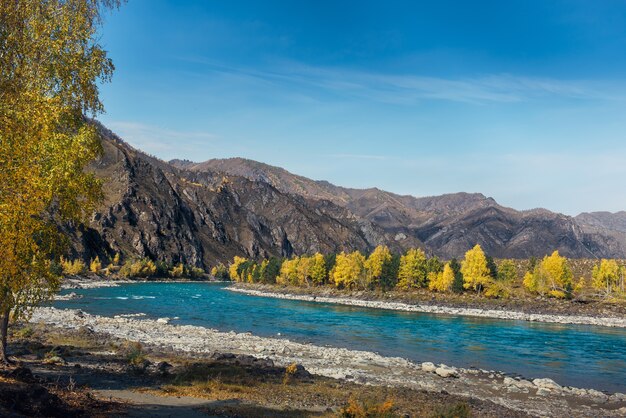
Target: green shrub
x,y
135,356
460,410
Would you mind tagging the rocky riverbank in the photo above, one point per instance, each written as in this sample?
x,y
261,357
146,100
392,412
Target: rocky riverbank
x,y
370,301
541,397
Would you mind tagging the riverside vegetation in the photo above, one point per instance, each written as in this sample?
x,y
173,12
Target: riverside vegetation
x,y
551,277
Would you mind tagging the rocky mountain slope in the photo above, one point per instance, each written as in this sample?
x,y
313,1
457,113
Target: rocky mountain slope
x,y
202,213
603,220
154,209
446,225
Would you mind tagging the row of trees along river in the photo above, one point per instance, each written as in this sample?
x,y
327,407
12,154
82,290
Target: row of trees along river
x,y
551,276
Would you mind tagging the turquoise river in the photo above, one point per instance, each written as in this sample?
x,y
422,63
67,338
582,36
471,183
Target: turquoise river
x,y
575,355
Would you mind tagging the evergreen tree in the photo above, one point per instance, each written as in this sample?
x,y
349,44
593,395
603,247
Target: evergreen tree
x,y
271,270
493,268
507,271
457,285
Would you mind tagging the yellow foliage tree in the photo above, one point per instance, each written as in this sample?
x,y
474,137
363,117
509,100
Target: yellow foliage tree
x,y
379,267
317,269
608,277
234,270
413,271
73,267
349,271
142,268
552,277
303,271
443,281
95,265
49,71
476,274
177,271
289,272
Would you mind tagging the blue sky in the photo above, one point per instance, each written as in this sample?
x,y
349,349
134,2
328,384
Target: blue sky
x,y
524,101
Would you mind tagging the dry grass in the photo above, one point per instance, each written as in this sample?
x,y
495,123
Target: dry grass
x,y
250,392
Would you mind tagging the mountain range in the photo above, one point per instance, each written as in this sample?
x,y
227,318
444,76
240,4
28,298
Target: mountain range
x,y
208,212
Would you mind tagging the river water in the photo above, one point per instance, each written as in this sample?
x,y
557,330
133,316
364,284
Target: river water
x,y
575,355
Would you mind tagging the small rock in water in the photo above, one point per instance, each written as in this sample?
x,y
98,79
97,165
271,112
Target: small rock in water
x,y
163,321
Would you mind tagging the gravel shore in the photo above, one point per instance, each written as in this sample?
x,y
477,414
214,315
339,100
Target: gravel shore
x,y
541,397
447,310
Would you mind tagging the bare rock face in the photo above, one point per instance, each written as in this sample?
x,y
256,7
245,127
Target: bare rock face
x,y
203,213
450,224
153,209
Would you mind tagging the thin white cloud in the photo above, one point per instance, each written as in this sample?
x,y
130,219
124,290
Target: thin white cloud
x,y
158,140
411,88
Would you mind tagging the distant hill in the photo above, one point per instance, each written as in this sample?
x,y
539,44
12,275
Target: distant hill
x,y
445,225
203,213
154,209
604,220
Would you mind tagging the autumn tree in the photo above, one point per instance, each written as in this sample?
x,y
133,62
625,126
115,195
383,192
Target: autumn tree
x,y
220,271
349,271
176,271
317,269
236,267
302,271
442,281
50,67
608,277
476,273
289,272
381,271
413,269
552,276
95,265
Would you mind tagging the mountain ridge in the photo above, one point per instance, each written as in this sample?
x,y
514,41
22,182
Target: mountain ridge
x,y
431,218
204,213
